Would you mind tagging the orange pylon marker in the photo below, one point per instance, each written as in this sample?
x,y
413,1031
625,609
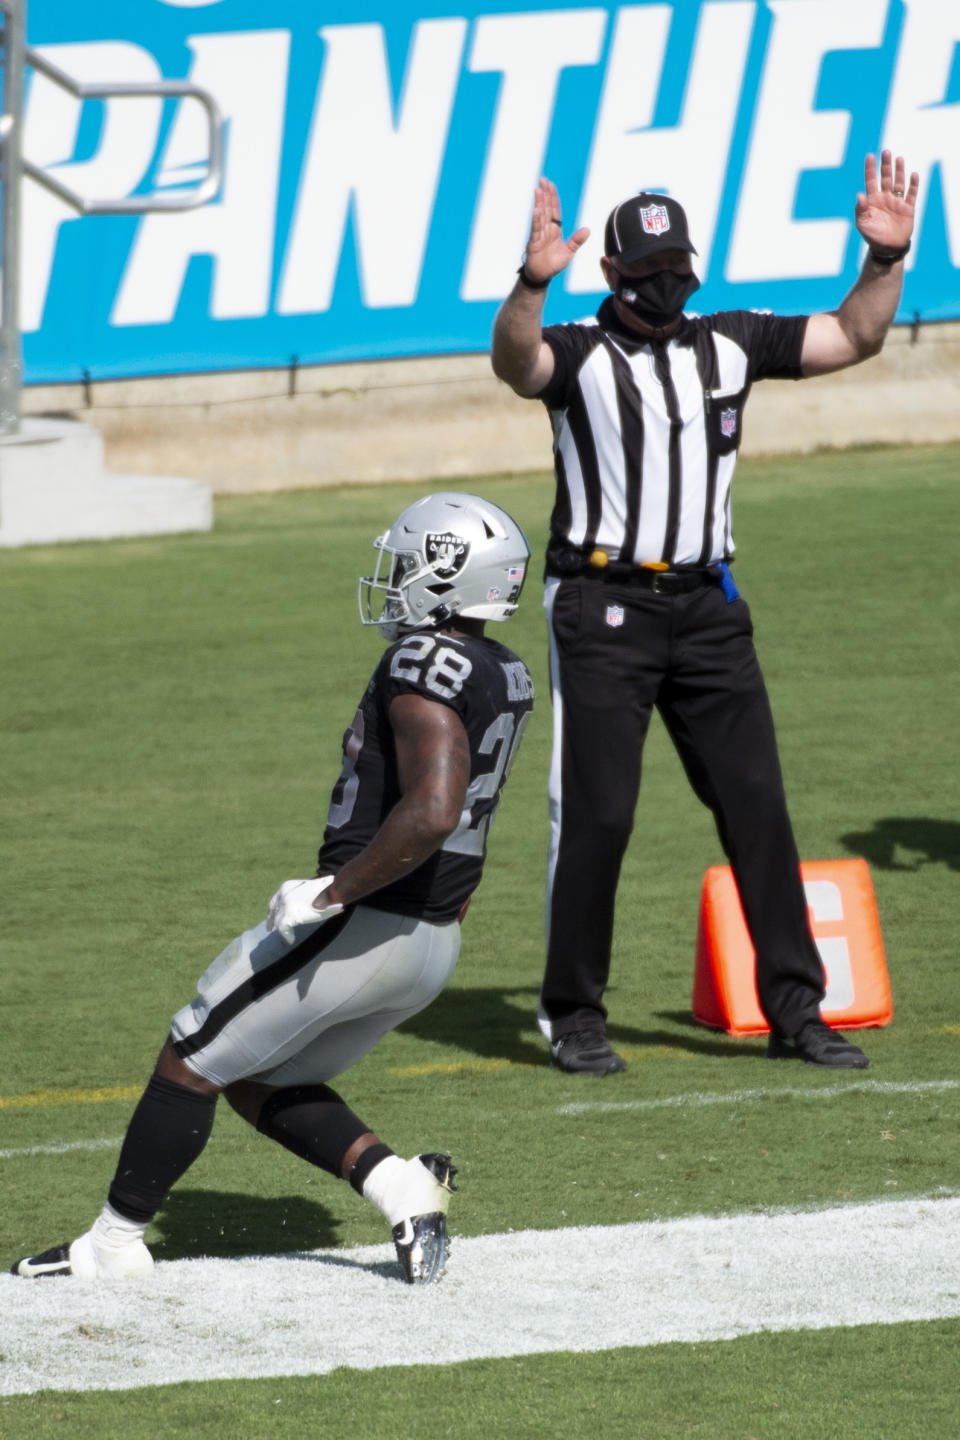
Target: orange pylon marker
x,y
843,917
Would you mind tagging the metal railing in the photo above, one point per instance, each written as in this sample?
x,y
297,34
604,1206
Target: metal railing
x,y
13,166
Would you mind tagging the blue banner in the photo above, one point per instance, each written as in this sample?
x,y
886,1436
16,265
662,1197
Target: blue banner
x,y
380,162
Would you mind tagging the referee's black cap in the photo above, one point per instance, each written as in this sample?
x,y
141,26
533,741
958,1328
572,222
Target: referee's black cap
x,y
644,224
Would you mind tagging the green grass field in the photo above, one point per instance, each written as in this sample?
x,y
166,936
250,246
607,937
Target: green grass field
x,y
171,713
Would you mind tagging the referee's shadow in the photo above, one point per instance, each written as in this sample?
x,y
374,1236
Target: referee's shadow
x,y
500,1024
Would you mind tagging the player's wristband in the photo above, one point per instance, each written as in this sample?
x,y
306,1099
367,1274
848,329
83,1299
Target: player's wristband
x,y
531,284
888,257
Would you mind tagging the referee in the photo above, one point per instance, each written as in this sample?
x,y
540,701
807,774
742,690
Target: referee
x,y
646,405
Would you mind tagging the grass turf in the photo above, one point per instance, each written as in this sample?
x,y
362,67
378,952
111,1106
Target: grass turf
x,y
170,725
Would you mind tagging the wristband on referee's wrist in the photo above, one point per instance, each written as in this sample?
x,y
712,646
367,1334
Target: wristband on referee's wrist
x,y
531,284
888,257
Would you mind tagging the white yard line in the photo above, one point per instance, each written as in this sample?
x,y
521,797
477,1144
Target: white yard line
x,y
694,1279
739,1097
61,1147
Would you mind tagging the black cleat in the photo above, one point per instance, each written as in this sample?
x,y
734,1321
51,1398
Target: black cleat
x,y
51,1262
586,1052
421,1240
817,1044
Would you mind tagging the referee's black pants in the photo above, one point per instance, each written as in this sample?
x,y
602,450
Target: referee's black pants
x,y
616,651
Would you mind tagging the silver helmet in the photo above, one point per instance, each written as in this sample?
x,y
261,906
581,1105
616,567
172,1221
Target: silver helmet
x,y
445,555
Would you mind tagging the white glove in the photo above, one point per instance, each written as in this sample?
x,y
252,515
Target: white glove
x,y
293,905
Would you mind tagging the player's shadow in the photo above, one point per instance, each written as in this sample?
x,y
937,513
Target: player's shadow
x,y
487,1023
926,842
220,1223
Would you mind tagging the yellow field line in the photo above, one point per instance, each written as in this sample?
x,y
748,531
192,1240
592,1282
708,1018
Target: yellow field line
x,y
44,1098
70,1097
452,1067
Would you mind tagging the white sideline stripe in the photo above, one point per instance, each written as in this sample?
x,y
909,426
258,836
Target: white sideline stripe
x,y
61,1148
532,1292
738,1097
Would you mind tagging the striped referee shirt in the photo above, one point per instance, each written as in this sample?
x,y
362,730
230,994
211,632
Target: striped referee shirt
x,y
646,433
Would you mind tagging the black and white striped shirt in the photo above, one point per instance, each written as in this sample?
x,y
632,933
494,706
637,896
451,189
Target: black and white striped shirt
x,y
646,433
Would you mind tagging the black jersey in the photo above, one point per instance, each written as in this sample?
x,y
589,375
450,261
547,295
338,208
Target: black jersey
x,y
646,433
491,690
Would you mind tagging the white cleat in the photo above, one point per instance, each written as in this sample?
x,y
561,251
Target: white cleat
x,y
88,1258
421,1239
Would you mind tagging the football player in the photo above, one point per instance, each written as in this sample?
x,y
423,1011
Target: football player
x,y
345,957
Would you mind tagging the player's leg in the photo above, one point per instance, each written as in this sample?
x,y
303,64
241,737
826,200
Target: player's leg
x,y
167,1132
316,1124
376,972
294,1016
716,709
606,659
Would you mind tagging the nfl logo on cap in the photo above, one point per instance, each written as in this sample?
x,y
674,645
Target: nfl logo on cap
x,y
654,219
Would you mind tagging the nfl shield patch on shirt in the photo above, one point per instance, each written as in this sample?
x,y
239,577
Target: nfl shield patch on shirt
x,y
728,423
614,615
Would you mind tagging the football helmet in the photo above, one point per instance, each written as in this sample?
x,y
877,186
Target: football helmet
x,y
448,554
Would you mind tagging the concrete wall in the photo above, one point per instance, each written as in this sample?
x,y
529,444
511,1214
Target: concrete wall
x,y
448,417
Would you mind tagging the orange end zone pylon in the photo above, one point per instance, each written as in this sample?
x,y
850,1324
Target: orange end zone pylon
x,y
845,925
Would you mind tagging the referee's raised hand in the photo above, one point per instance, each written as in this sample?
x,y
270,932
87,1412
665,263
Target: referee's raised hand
x,y
547,252
884,211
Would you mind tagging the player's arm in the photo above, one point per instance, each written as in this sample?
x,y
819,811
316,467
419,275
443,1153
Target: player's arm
x,y
884,217
433,765
519,354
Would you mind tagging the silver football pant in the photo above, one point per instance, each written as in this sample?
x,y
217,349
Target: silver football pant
x,y
303,1013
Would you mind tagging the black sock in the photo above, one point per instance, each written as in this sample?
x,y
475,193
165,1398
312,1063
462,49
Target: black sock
x,y
314,1123
370,1158
167,1132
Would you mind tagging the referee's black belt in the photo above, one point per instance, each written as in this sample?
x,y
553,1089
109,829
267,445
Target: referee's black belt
x,y
563,562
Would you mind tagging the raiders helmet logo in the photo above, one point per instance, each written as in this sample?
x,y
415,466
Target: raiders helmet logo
x,y
446,552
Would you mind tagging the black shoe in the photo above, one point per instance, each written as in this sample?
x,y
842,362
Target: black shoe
x,y
817,1044
586,1052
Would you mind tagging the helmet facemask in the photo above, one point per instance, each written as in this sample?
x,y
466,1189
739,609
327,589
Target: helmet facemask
x,y
397,575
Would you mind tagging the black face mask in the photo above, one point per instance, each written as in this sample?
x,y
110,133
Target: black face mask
x,y
659,298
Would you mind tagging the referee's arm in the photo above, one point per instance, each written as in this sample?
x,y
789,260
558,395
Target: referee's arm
x,y
884,218
518,353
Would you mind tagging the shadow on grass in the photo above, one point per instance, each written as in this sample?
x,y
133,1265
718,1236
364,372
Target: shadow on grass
x,y
702,1040
487,1024
225,1224
931,841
